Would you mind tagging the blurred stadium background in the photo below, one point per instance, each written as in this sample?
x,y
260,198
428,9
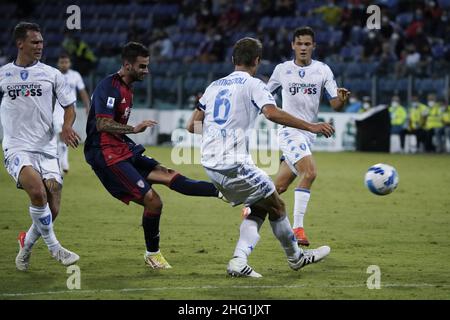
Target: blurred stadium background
x,y
191,42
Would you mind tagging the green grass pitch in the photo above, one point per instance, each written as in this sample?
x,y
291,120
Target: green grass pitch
x,y
405,234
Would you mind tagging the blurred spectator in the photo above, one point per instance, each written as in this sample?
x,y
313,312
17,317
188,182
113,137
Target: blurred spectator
x,y
387,27
331,13
446,121
366,105
372,46
284,8
212,48
162,47
205,20
412,58
265,7
82,56
441,26
354,104
229,19
398,120
434,126
421,42
416,24
417,114
432,16
386,60
409,62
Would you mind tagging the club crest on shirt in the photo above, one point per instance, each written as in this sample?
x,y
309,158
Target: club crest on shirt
x,y
301,73
24,74
140,184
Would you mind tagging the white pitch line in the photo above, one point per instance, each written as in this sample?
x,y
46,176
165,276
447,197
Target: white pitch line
x,y
388,285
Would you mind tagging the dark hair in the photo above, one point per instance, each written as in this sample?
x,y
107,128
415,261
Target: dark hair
x,y
20,30
246,50
132,50
303,31
64,55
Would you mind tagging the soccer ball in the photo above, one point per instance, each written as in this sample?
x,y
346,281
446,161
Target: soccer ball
x,y
381,179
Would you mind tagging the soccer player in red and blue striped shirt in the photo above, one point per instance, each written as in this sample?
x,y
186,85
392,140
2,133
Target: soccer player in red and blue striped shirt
x,y
119,162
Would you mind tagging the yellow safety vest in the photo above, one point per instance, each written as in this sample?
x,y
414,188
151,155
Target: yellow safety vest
x,y
417,116
84,51
434,119
398,115
446,116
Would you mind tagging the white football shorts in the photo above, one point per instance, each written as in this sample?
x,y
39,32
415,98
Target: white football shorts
x,y
46,166
294,145
245,184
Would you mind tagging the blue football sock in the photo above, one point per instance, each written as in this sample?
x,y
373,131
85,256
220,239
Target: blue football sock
x,y
191,187
150,223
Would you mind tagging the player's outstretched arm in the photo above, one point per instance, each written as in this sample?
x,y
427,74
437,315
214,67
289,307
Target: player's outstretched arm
x,y
275,114
111,126
339,102
68,135
195,122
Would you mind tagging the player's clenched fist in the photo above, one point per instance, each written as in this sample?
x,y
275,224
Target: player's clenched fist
x,y
343,94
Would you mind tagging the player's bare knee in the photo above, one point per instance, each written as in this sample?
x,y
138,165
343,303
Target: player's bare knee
x,y
153,202
310,175
157,206
38,195
154,207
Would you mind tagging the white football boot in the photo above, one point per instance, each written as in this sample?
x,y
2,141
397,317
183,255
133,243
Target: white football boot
x,y
65,256
309,256
238,267
23,257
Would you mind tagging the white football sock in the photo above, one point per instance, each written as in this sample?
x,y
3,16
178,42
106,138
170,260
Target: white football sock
x,y
283,232
248,237
32,236
148,253
301,199
42,219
